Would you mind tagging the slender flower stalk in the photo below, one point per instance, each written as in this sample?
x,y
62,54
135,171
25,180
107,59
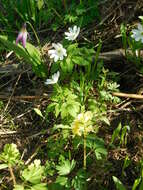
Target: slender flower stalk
x,y
22,36
84,150
36,36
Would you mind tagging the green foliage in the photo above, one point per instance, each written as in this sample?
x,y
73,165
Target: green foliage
x,y
106,93
127,162
120,133
31,55
31,175
83,13
116,133
65,167
64,103
10,155
38,112
97,145
132,47
80,105
79,181
44,12
77,56
118,183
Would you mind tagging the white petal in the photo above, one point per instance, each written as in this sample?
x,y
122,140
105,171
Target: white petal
x,y
49,81
55,77
54,45
52,55
56,58
75,28
140,27
67,33
52,51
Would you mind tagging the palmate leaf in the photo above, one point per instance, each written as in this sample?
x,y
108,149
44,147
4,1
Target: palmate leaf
x,y
33,173
66,167
97,144
31,55
10,155
62,180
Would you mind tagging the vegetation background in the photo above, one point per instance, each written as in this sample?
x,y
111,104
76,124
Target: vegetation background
x,y
102,75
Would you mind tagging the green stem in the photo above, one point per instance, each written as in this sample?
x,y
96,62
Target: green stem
x,y
84,150
64,4
38,41
58,15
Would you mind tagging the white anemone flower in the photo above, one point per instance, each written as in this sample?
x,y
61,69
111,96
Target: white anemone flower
x,y
58,52
137,34
54,79
73,33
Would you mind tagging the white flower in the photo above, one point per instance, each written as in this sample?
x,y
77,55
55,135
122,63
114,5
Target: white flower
x,y
137,34
54,79
73,33
58,53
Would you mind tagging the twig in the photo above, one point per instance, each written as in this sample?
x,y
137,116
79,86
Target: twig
x,y
125,95
12,93
33,155
8,132
15,98
12,175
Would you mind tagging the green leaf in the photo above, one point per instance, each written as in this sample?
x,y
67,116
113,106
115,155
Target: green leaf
x,y
105,119
31,55
38,112
116,133
136,183
18,187
73,109
56,186
66,167
33,173
37,64
3,166
64,112
10,154
141,185
62,180
80,61
118,183
72,47
40,4
57,110
41,186
97,144
99,152
32,9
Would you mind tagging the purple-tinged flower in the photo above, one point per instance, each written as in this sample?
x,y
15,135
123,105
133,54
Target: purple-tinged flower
x,y
22,36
